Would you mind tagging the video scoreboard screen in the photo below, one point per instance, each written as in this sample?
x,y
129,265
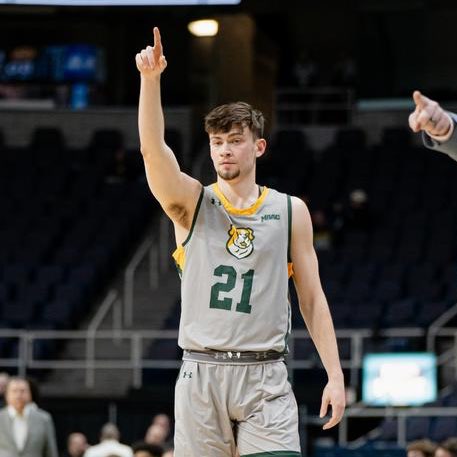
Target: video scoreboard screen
x,y
399,379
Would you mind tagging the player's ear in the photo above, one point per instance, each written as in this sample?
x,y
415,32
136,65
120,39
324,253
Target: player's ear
x,y
260,146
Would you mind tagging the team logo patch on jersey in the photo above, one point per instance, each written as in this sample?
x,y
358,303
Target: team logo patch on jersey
x,y
240,243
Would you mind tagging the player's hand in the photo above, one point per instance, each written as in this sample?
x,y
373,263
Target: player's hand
x,y
429,116
150,61
334,396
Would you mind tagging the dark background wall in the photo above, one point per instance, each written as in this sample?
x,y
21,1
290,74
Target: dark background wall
x,y
398,45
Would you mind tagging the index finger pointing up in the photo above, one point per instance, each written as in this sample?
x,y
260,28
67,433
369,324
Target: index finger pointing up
x,y
420,100
157,39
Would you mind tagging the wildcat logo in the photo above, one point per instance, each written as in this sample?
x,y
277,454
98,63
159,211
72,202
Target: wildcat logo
x,y
240,242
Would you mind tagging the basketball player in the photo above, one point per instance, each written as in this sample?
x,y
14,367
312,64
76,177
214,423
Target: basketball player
x,y
238,243
437,125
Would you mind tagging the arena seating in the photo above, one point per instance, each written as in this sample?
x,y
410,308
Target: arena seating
x,y
400,269
68,220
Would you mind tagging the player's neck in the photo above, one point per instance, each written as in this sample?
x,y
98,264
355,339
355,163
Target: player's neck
x,y
241,194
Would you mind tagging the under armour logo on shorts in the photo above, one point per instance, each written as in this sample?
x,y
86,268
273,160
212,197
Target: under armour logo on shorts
x,y
187,374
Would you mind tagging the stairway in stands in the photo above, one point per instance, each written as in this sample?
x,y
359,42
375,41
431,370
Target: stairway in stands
x,y
151,307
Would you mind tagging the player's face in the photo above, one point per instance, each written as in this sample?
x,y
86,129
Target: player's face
x,y
234,153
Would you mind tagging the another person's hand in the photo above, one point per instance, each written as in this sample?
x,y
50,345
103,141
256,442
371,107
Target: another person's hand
x,y
334,396
429,116
150,61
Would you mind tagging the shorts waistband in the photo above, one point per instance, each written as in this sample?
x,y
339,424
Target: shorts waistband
x,y
233,356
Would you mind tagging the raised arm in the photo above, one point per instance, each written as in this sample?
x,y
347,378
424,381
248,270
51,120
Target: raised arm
x,y
315,310
176,192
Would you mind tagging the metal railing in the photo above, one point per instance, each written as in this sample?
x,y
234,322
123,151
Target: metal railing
x,y
439,324
357,339
401,415
157,248
148,247
136,360
88,361
111,302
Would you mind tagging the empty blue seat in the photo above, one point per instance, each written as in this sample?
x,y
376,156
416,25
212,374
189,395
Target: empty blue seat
x,y
400,313
388,430
19,313
442,428
49,274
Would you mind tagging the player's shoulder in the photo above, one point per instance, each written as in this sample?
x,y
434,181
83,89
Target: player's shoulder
x,y
295,204
298,204
300,212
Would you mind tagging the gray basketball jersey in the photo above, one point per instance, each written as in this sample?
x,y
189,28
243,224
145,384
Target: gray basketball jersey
x,y
234,268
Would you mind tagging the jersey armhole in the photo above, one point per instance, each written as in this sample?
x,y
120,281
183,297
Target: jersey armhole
x,y
289,227
290,265
194,219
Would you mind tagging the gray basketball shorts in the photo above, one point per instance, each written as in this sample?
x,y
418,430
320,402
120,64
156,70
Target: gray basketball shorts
x,y
223,406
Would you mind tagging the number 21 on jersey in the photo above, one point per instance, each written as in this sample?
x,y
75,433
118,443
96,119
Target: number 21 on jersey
x,y
243,306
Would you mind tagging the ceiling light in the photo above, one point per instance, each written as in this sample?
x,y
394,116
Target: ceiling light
x,y
203,27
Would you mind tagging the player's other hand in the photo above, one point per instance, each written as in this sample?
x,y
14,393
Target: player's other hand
x,y
150,61
334,396
429,116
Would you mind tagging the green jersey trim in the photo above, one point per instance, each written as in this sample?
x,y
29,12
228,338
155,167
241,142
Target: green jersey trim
x,y
289,228
194,219
288,330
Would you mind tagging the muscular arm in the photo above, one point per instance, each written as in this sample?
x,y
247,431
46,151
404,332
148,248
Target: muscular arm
x,y
315,310
176,192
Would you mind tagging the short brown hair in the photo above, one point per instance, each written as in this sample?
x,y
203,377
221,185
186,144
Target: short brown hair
x,y
427,447
224,117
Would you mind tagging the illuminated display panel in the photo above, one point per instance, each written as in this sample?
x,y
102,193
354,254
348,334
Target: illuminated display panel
x,y
399,379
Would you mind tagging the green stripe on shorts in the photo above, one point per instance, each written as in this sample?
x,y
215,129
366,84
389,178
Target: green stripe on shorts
x,y
267,454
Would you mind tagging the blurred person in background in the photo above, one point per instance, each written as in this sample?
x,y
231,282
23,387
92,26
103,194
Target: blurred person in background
x,y
143,449
156,434
109,444
25,430
447,448
4,378
421,448
76,445
437,125
163,420
169,453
